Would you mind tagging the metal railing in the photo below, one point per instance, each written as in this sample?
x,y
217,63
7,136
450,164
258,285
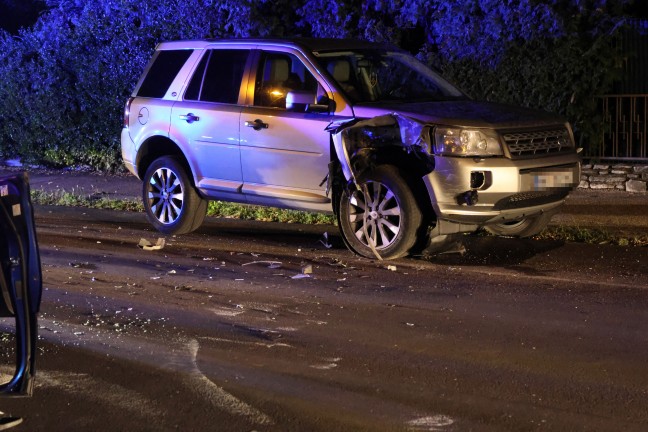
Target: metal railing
x,y
625,119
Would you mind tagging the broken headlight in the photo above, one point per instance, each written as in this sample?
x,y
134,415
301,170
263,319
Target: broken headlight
x,y
467,142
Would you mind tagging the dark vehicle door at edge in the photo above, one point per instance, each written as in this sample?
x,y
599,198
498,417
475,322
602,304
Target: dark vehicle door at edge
x,y
20,277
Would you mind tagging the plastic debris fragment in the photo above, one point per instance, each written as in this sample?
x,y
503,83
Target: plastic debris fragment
x,y
271,264
148,246
325,241
306,271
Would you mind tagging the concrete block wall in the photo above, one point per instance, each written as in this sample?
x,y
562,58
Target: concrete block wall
x,y
627,177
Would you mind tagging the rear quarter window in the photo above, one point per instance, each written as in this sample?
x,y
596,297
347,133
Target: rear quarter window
x,y
218,76
165,67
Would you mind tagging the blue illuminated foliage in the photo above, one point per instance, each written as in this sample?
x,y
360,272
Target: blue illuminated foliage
x,y
66,79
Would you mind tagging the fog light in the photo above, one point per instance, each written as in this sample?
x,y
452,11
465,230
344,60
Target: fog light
x,y
477,179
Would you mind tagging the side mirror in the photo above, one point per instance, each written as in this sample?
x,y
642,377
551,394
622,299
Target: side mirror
x,y
323,105
301,100
20,277
298,100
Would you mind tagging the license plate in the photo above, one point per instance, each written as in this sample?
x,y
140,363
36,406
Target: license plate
x,y
549,178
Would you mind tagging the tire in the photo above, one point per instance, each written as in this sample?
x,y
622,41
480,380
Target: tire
x,y
384,210
526,227
172,204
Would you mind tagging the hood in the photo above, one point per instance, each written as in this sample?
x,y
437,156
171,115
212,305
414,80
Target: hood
x,y
464,113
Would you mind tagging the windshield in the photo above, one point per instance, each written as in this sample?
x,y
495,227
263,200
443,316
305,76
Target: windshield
x,y
385,76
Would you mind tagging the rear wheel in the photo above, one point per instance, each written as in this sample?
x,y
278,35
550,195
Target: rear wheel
x,y
526,227
382,217
172,204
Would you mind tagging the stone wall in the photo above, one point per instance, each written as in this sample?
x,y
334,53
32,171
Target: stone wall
x,y
631,178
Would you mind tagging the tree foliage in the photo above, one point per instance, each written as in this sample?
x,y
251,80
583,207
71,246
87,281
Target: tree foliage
x,y
65,80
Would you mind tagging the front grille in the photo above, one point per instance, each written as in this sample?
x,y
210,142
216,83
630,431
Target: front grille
x,y
537,143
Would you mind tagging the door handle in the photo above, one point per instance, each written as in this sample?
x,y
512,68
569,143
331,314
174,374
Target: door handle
x,y
189,118
256,124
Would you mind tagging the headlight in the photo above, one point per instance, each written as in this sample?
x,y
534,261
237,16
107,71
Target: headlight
x,y
467,142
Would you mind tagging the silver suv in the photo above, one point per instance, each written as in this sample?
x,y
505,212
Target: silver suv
x,y
402,157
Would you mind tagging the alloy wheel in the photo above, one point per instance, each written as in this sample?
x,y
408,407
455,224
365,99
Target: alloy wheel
x,y
165,195
375,215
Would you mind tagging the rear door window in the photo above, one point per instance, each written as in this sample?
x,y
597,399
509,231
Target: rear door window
x,y
218,77
164,69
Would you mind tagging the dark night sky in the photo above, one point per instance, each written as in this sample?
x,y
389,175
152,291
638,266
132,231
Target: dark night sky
x,y
15,14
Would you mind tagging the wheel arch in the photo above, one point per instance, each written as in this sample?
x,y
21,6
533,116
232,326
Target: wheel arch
x,y
156,147
411,166
407,220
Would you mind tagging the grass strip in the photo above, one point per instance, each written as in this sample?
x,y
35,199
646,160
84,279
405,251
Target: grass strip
x,y
215,208
591,236
71,199
271,214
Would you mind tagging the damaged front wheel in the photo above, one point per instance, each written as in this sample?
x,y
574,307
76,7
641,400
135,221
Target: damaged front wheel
x,y
382,217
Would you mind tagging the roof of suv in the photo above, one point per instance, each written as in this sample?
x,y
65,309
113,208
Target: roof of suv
x,y
307,44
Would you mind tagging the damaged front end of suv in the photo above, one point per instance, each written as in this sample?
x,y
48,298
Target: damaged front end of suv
x,y
471,178
421,163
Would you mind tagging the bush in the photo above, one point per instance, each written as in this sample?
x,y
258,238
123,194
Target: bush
x,y
66,79
558,58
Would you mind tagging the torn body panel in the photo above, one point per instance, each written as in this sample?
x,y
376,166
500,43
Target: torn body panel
x,y
356,141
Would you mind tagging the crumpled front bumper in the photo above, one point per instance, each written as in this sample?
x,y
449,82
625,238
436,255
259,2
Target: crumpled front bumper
x,y
505,189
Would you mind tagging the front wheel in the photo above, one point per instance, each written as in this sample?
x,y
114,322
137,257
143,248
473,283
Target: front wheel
x,y
172,204
525,227
382,217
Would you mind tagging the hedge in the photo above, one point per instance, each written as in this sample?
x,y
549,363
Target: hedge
x,y
65,80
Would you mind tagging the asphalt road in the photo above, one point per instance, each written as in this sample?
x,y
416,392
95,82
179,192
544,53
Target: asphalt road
x,y
247,326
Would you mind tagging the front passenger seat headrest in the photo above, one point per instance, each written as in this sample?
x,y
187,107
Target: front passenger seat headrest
x,y
340,69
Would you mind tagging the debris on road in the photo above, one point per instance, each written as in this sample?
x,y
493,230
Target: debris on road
x,y
83,265
271,264
325,241
148,246
306,271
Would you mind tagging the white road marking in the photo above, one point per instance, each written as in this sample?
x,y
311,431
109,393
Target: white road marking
x,y
430,423
114,395
331,364
182,358
227,312
287,329
324,366
238,342
219,397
